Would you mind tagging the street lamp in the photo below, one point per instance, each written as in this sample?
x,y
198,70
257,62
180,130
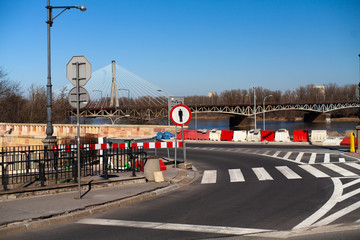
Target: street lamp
x,y
255,107
50,19
264,110
159,90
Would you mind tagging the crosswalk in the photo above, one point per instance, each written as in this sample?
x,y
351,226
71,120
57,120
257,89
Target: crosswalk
x,y
292,156
326,170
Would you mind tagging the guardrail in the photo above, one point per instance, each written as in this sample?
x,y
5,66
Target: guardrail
x,y
22,167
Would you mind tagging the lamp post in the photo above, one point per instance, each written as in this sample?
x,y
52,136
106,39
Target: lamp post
x,y
159,90
50,19
255,106
264,110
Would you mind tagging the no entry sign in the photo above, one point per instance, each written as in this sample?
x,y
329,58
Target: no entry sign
x,y
180,115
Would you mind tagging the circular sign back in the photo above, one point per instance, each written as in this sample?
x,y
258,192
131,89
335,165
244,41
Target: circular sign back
x,y
180,115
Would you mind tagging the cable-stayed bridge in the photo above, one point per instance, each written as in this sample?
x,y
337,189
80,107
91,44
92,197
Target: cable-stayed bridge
x,y
116,92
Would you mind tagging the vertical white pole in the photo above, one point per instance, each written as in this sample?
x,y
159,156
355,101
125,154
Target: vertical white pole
x,y
255,105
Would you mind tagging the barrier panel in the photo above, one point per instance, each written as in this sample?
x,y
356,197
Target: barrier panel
x,y
268,135
239,136
203,135
332,141
301,136
214,135
346,141
282,135
226,135
188,135
254,135
318,135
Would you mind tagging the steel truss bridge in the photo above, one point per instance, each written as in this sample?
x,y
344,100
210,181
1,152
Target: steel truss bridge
x,y
148,113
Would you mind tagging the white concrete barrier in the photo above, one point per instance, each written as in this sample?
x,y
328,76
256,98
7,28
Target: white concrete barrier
x,y
239,136
254,135
318,136
215,135
282,135
333,141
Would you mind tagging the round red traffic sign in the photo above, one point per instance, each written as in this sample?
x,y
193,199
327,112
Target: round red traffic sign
x,y
180,115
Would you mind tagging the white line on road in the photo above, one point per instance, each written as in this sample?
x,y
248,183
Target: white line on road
x,y
236,175
287,155
315,172
339,170
172,226
353,165
288,173
299,157
262,174
341,159
276,153
209,177
312,158
327,158
338,190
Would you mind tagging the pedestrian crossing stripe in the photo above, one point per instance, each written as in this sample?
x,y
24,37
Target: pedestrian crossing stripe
x,y
236,175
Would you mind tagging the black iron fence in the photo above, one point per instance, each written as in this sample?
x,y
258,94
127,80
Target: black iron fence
x,y
35,166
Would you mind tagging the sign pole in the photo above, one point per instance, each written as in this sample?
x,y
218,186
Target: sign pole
x,y
183,140
78,127
175,143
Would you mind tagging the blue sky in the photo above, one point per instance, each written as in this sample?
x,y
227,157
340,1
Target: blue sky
x,y
189,47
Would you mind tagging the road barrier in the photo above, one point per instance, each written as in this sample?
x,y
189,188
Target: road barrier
x,y
301,136
203,134
282,135
268,135
226,135
214,135
346,141
254,135
239,136
318,135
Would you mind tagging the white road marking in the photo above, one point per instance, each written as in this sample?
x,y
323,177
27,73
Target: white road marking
x,y
338,214
288,173
172,226
209,177
276,154
353,165
339,170
262,174
299,157
341,159
327,158
287,155
338,190
349,184
236,175
266,152
312,158
314,171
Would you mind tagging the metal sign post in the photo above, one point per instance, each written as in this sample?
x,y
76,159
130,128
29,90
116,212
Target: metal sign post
x,y
78,71
180,115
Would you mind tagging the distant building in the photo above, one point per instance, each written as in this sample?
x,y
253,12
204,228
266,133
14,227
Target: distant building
x,y
212,94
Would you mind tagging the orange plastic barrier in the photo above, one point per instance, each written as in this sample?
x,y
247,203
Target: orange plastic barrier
x,y
188,134
346,141
301,136
203,135
268,135
226,135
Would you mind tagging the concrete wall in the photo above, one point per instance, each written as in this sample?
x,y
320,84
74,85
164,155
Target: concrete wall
x,y
33,134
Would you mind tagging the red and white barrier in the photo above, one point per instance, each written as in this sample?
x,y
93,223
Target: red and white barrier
x,y
103,146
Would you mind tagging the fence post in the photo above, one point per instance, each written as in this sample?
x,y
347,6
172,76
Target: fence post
x,y
3,172
105,163
74,166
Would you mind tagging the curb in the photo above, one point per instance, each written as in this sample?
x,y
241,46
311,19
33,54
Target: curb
x,y
44,221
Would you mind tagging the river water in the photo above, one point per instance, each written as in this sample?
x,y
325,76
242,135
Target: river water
x,y
223,124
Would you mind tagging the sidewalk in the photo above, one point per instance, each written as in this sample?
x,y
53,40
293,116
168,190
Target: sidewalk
x,y
37,211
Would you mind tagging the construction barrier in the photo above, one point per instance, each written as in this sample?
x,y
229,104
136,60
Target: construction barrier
x,y
239,136
226,135
332,141
214,135
301,136
254,135
268,135
202,134
346,141
318,136
162,165
188,135
282,135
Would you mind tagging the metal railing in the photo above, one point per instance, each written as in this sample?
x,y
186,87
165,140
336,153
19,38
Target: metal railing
x,y
23,167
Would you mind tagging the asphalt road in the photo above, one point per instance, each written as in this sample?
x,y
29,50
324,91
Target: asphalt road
x,y
240,190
